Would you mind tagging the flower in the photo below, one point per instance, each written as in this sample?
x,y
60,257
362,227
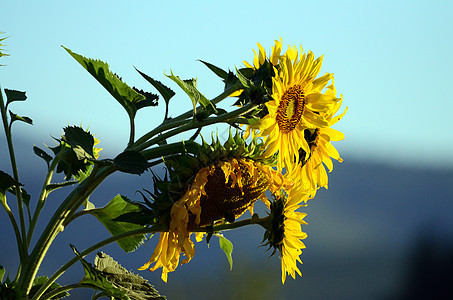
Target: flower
x,y
297,104
219,191
284,232
310,173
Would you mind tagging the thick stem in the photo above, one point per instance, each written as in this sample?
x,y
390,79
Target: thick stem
x,y
75,199
180,120
194,124
22,253
23,235
42,197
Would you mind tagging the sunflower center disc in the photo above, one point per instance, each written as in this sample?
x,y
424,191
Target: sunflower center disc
x,y
290,109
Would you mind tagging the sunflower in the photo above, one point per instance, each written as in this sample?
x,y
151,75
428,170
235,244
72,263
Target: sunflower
x,y
310,173
284,232
297,104
219,192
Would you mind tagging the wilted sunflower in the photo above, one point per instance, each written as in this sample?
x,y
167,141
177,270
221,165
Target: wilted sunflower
x,y
219,191
284,232
310,173
297,104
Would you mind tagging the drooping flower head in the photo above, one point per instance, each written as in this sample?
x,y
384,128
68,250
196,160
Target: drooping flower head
x,y
284,231
226,181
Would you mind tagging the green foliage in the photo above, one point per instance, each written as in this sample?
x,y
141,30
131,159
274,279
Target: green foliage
x,y
76,149
164,90
95,279
13,95
227,247
7,182
41,153
190,87
40,281
107,215
228,77
15,117
135,287
124,94
132,162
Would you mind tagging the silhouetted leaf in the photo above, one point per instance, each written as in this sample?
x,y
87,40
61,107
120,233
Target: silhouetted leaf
x,y
166,92
13,95
7,182
131,162
41,153
15,117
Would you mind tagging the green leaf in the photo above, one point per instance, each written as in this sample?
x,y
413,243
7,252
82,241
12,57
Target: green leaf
x,y
13,95
150,99
135,286
190,87
131,162
124,94
227,247
2,273
81,141
40,281
165,91
116,207
41,153
247,83
218,71
7,182
15,117
97,279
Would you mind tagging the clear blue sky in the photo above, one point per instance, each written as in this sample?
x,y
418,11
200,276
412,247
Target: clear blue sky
x,y
392,61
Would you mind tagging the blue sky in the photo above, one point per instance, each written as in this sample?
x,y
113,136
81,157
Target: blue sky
x,y
391,60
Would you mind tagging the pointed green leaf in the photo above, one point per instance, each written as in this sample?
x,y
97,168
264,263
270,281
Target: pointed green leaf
x,y
131,162
218,71
7,182
13,95
227,247
15,117
116,207
97,279
247,83
150,99
41,153
135,286
190,87
124,94
164,90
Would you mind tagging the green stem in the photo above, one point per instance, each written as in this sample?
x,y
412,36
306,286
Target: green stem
x,y
69,287
141,231
22,253
180,120
222,96
43,196
55,226
132,133
23,233
194,124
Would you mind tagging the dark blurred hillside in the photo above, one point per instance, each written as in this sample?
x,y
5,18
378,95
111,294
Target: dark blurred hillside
x,y
378,232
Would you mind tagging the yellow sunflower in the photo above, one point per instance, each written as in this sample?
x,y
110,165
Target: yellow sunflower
x,y
297,104
284,233
219,192
310,173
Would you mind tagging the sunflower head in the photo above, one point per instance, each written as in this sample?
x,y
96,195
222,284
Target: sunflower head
x,y
214,185
283,230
